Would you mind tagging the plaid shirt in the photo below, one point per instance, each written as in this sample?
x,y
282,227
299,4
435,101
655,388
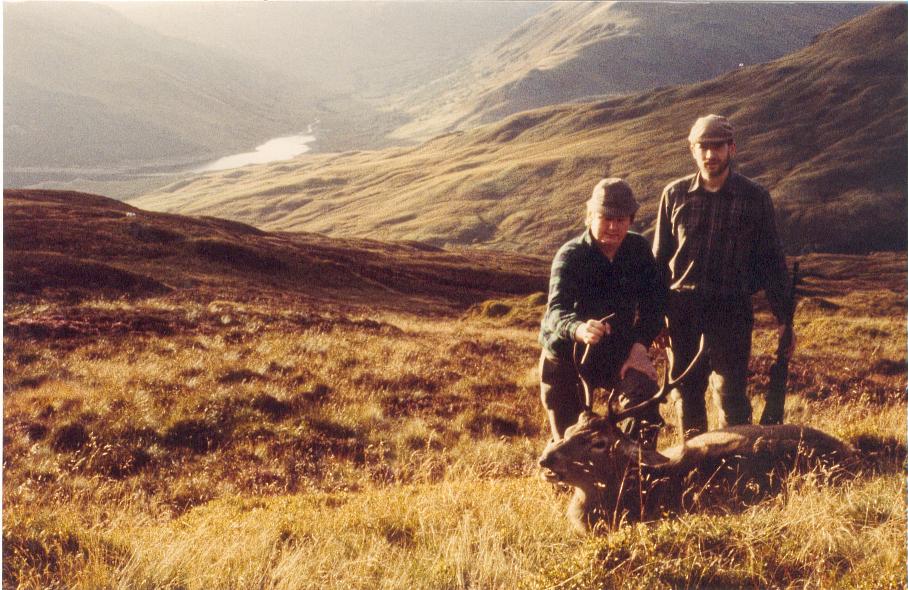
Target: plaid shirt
x,y
724,245
586,285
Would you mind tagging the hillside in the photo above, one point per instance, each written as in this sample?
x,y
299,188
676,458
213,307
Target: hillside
x,y
361,50
580,50
89,94
196,404
804,123
119,98
73,246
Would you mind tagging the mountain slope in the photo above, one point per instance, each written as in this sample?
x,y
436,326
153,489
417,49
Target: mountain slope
x,y
76,245
577,50
360,49
148,89
87,91
805,123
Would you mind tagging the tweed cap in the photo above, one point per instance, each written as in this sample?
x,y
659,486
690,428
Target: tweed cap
x,y
711,128
612,197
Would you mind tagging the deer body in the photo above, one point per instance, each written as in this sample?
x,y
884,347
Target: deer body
x,y
616,480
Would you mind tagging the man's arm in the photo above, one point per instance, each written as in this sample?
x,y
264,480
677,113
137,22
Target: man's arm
x,y
653,298
561,322
664,245
650,316
770,269
772,274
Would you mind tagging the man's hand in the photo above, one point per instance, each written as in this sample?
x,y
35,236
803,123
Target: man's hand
x,y
792,344
592,331
639,359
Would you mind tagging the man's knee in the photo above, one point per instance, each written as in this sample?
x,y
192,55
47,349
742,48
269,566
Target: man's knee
x,y
636,388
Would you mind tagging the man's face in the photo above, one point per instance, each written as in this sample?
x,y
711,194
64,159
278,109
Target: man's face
x,y
609,232
713,157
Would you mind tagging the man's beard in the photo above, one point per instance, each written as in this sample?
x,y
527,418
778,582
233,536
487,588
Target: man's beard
x,y
726,164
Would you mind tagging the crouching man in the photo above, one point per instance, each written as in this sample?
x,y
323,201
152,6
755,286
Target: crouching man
x,y
606,270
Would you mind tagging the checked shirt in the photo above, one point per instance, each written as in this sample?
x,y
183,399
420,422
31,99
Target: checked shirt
x,y
722,246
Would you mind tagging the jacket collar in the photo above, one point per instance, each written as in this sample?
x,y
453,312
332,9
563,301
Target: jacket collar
x,y
592,245
730,186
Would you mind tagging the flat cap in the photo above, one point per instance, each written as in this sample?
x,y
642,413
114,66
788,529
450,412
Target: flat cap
x,y
612,197
711,128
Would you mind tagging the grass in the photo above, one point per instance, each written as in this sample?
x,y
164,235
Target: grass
x,y
243,449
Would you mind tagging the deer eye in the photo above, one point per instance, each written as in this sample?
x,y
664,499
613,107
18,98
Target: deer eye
x,y
599,445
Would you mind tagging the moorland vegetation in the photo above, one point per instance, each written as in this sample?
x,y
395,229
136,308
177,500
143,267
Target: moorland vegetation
x,y
193,403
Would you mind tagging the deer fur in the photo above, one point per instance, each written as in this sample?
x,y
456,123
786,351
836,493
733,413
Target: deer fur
x,y
615,479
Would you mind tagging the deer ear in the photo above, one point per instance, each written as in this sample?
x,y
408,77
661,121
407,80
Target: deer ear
x,y
645,457
587,416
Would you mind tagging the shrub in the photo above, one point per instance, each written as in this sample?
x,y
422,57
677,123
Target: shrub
x,y
196,435
70,437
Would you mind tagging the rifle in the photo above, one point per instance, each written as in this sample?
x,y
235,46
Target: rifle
x,y
774,409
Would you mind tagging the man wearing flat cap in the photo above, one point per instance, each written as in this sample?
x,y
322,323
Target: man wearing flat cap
x,y
716,245
606,271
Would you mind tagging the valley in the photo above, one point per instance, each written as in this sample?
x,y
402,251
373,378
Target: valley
x,y
273,275
803,123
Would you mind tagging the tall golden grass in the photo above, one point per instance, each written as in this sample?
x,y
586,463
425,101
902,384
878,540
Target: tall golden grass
x,y
244,448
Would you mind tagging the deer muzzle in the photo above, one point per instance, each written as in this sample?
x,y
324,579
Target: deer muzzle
x,y
548,462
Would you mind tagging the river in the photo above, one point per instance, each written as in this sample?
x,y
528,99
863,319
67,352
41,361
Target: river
x,y
279,148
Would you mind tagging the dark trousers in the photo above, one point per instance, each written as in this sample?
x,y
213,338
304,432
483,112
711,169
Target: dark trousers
x,y
726,327
562,394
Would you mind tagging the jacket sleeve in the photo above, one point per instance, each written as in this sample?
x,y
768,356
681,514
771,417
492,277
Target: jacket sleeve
x,y
664,244
652,302
770,270
561,320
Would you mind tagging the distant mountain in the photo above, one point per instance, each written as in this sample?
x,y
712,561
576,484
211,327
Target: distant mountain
x,y
84,86
365,50
823,128
88,92
72,246
112,97
580,50
146,90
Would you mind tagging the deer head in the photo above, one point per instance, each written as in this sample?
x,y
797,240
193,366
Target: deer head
x,y
595,449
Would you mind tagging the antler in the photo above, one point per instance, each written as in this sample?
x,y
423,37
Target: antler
x,y
587,390
667,385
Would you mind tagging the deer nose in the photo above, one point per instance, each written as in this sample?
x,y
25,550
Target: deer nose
x,y
547,460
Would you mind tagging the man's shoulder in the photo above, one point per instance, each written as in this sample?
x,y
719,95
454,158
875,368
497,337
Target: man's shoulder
x,y
636,246
575,244
679,185
747,185
636,240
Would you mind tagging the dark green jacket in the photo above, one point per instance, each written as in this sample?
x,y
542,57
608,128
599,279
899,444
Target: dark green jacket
x,y
585,285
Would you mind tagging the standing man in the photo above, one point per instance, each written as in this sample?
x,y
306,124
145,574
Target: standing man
x,y
604,271
716,245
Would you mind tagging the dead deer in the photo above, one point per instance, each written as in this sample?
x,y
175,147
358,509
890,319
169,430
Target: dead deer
x,y
615,479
